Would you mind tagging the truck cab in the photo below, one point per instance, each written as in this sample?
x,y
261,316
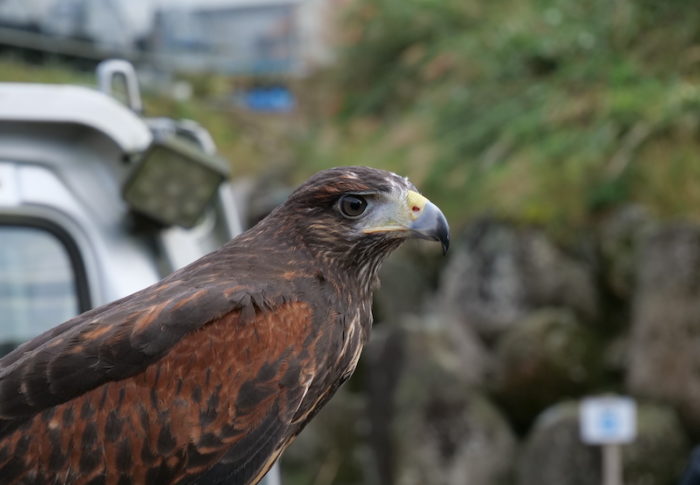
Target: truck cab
x,y
97,202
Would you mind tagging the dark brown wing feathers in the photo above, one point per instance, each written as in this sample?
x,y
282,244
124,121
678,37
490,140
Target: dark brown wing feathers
x,y
167,423
93,349
121,339
138,385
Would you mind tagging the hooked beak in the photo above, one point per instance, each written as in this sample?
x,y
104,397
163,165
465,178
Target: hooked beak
x,y
430,222
417,217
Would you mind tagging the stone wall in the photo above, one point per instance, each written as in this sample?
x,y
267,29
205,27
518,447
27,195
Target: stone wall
x,y
477,362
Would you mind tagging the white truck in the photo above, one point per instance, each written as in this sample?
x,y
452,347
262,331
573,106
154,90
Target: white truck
x,y
97,202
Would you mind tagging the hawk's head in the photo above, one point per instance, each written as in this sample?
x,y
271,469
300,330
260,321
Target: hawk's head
x,y
355,216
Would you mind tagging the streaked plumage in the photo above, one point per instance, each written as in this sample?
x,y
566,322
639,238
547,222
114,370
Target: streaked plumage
x,y
208,375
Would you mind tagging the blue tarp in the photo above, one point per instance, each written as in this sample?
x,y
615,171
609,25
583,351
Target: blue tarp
x,y
274,99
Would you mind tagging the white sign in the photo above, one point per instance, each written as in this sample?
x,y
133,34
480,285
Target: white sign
x,y
8,185
608,420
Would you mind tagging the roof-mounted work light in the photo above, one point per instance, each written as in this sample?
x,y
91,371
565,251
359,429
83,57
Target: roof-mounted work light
x,y
174,182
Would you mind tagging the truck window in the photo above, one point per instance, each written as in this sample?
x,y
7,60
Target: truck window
x,y
39,283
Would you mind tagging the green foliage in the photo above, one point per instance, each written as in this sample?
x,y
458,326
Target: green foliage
x,y
16,71
549,111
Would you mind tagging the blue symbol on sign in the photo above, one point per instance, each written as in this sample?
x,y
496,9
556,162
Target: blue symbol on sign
x,y
609,422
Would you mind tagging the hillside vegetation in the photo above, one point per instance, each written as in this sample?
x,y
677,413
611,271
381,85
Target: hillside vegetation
x,y
545,111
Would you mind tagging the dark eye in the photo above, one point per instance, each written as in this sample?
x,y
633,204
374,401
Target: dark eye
x,y
352,205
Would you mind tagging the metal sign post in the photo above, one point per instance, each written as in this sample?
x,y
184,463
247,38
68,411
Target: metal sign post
x,y
612,464
609,421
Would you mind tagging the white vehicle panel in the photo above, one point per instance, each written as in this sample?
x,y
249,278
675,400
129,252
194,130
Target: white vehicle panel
x,y
75,104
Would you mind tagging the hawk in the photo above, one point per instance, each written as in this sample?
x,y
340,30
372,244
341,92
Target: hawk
x,y
208,375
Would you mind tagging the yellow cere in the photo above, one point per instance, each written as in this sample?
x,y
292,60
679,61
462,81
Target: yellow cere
x,y
415,203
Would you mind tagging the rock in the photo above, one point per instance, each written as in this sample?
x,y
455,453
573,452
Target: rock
x,y
554,454
547,357
452,439
408,281
500,273
619,238
430,423
659,453
663,350
421,344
